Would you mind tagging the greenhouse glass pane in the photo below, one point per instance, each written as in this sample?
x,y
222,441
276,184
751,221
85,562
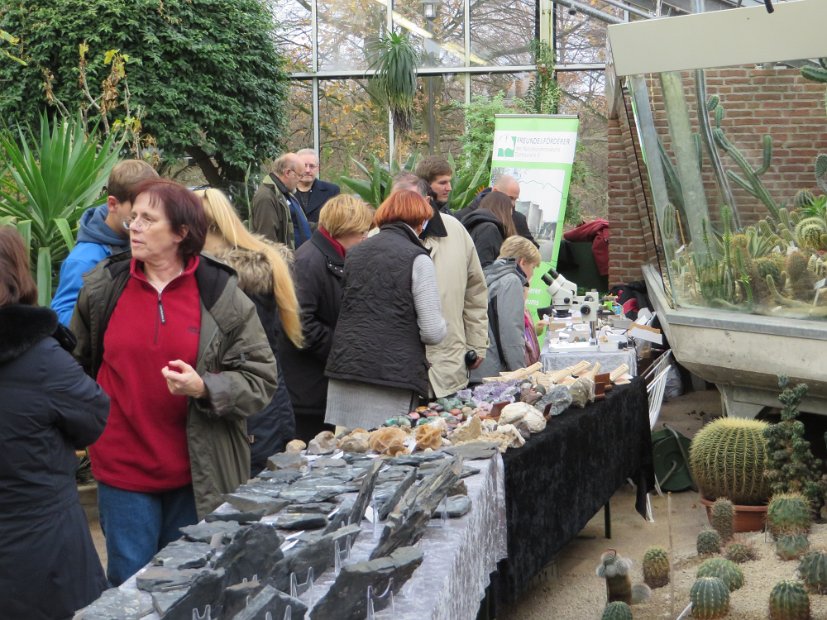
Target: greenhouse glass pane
x,y
293,33
346,29
440,40
513,86
300,115
501,32
581,39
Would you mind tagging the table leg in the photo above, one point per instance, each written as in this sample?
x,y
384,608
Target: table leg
x,y
607,520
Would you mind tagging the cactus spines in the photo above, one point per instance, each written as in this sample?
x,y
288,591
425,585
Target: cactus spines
x,y
789,513
656,567
821,171
803,198
813,571
740,551
791,546
727,458
721,518
615,570
618,610
710,598
708,543
729,572
789,601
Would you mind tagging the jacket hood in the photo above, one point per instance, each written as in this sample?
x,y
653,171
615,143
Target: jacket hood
x,y
255,275
479,216
22,327
501,268
94,229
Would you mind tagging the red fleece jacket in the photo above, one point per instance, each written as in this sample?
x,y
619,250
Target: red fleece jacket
x,y
597,232
144,445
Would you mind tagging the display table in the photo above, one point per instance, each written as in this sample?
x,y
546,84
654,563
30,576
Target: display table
x,y
556,356
562,477
459,556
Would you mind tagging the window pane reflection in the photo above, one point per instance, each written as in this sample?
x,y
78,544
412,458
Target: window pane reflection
x,y
300,115
346,30
441,40
501,32
293,33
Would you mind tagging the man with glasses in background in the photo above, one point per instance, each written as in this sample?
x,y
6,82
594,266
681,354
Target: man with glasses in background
x,y
276,213
509,186
100,233
312,192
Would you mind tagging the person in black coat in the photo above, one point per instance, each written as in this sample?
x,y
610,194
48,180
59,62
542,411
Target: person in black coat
x,y
48,564
318,268
264,276
312,193
509,186
490,225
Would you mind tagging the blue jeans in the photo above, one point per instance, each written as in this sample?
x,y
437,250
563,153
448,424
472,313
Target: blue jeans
x,y
138,525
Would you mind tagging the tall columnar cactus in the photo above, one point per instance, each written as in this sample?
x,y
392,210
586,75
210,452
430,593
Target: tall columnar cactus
x,y
791,546
656,567
617,610
813,571
615,570
710,598
817,74
708,543
789,601
789,513
721,518
728,457
728,571
791,466
821,171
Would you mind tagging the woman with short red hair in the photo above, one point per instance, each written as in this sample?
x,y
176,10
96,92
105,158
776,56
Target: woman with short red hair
x,y
390,311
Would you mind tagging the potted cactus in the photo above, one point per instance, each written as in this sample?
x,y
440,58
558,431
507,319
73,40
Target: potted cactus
x,y
727,458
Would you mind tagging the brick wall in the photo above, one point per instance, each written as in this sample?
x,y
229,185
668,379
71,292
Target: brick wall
x,y
778,102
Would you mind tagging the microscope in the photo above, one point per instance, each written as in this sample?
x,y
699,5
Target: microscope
x,y
562,292
590,311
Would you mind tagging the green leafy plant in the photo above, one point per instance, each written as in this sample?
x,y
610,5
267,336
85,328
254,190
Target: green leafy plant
x,y
395,60
376,186
467,183
791,466
543,94
10,39
789,601
478,139
54,177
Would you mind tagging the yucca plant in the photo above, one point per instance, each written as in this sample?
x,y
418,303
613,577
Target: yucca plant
x,y
53,177
379,178
467,183
395,60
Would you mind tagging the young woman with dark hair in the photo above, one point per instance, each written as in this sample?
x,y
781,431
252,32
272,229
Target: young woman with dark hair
x,y
490,225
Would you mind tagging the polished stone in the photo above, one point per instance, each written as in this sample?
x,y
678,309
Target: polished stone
x,y
183,554
347,600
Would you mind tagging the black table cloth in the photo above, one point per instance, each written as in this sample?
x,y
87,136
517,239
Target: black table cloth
x,y
562,476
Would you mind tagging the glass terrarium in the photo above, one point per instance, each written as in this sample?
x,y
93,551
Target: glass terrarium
x,y
731,118
736,159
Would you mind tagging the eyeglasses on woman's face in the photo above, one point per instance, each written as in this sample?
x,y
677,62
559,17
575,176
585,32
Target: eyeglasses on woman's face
x,y
137,223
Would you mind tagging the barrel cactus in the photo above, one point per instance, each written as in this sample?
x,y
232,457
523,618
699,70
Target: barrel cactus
x,y
729,572
708,543
789,513
656,567
710,598
721,517
617,610
789,601
803,198
740,551
791,546
813,571
727,458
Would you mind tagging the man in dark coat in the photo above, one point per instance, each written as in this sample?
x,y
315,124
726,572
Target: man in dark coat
x,y
312,192
509,186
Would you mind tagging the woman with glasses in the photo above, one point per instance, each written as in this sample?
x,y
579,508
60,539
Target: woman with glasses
x,y
48,565
182,354
343,224
264,276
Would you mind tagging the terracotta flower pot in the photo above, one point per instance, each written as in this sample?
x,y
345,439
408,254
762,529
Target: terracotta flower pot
x,y
747,518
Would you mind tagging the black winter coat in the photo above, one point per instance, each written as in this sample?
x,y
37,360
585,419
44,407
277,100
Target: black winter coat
x,y
320,193
488,234
318,270
520,221
270,429
48,565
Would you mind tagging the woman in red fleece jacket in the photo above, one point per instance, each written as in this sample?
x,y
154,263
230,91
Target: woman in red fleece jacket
x,y
171,428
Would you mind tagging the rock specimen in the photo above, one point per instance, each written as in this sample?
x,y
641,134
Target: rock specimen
x,y
206,589
468,431
115,604
556,400
236,596
256,503
390,491
346,598
410,517
428,436
282,476
252,552
183,554
474,451
357,513
389,440
204,532
301,521
270,601
233,515
355,441
295,446
323,443
154,578
286,460
457,506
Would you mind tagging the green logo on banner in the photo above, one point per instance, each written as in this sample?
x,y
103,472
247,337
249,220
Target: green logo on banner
x,y
505,146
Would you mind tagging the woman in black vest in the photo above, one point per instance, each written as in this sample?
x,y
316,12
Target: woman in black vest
x,y
390,311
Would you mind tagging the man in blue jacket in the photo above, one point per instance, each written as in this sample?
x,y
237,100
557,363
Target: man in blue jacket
x,y
101,233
